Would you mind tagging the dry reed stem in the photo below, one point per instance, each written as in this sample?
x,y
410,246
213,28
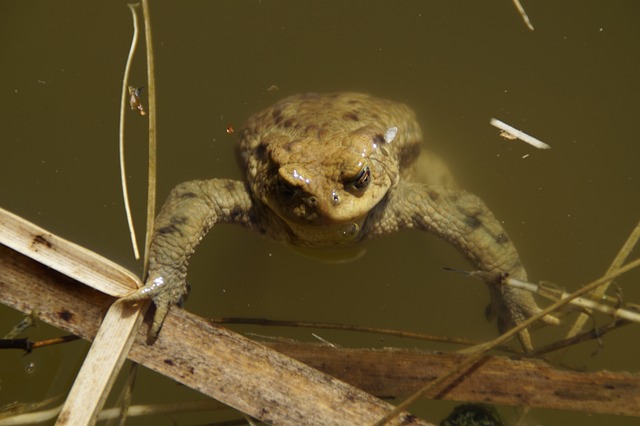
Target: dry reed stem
x,y
123,175
151,83
111,346
555,294
523,14
598,293
62,255
478,352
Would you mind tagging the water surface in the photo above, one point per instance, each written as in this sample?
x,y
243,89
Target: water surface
x,y
572,83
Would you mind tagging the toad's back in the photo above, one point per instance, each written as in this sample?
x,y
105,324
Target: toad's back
x,y
322,117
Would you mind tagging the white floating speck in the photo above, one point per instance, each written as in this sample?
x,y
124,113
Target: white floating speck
x,y
518,134
390,134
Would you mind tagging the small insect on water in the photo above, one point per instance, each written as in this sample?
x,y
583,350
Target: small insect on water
x,y
511,133
134,99
508,136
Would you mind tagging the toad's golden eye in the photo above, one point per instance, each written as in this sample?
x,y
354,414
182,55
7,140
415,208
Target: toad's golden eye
x,y
362,179
285,189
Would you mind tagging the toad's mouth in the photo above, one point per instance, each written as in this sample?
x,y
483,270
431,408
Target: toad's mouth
x,y
326,234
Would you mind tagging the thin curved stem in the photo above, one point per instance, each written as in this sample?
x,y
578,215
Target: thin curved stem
x,y
123,174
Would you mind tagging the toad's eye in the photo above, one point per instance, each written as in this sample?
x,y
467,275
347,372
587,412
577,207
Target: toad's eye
x,y
285,188
362,179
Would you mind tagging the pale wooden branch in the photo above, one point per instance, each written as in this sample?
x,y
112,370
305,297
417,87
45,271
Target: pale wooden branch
x,y
250,377
102,364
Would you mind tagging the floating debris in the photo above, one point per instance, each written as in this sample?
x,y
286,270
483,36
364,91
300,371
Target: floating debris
x,y
509,132
134,99
506,135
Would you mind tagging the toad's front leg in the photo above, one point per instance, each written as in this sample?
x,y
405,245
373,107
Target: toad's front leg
x,y
465,221
191,209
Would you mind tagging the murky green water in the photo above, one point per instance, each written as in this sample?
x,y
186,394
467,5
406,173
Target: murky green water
x,y
572,83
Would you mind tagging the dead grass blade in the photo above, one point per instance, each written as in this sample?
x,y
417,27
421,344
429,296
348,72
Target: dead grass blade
x,y
125,90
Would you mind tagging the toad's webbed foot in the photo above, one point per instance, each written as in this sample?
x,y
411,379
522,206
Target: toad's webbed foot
x,y
165,291
191,209
465,221
511,307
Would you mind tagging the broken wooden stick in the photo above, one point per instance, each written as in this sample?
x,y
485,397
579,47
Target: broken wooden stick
x,y
215,361
208,358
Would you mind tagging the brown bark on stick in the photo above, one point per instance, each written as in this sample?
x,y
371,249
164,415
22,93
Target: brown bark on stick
x,y
213,360
192,351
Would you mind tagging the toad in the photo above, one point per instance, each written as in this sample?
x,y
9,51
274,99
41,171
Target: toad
x,y
331,170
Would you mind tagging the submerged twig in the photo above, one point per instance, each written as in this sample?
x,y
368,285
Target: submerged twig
x,y
125,89
124,399
25,413
165,409
595,333
347,327
28,415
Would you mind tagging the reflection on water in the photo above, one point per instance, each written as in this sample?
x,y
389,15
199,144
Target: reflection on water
x,y
571,83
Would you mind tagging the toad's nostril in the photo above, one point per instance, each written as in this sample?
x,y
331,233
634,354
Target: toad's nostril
x,y
313,201
336,198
